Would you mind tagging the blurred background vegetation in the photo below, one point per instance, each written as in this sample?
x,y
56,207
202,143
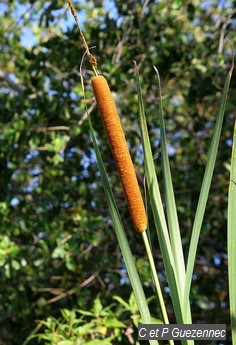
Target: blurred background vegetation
x,y
57,244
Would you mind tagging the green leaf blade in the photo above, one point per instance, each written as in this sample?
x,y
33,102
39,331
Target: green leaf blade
x,y
122,239
172,217
201,206
157,209
231,242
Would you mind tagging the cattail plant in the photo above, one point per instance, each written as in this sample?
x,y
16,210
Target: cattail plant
x,y
128,178
178,278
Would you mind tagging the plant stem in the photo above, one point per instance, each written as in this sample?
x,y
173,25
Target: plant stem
x,y
156,281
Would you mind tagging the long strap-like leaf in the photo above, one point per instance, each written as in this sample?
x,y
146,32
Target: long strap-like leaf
x,y
205,190
122,239
171,209
158,212
232,239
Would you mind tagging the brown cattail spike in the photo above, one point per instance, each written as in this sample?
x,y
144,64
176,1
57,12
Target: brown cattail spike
x,y
120,152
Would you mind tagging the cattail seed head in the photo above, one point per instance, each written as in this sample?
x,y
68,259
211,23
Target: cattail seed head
x,y
120,151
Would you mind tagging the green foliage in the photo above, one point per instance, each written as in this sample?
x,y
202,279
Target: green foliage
x,y
98,326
